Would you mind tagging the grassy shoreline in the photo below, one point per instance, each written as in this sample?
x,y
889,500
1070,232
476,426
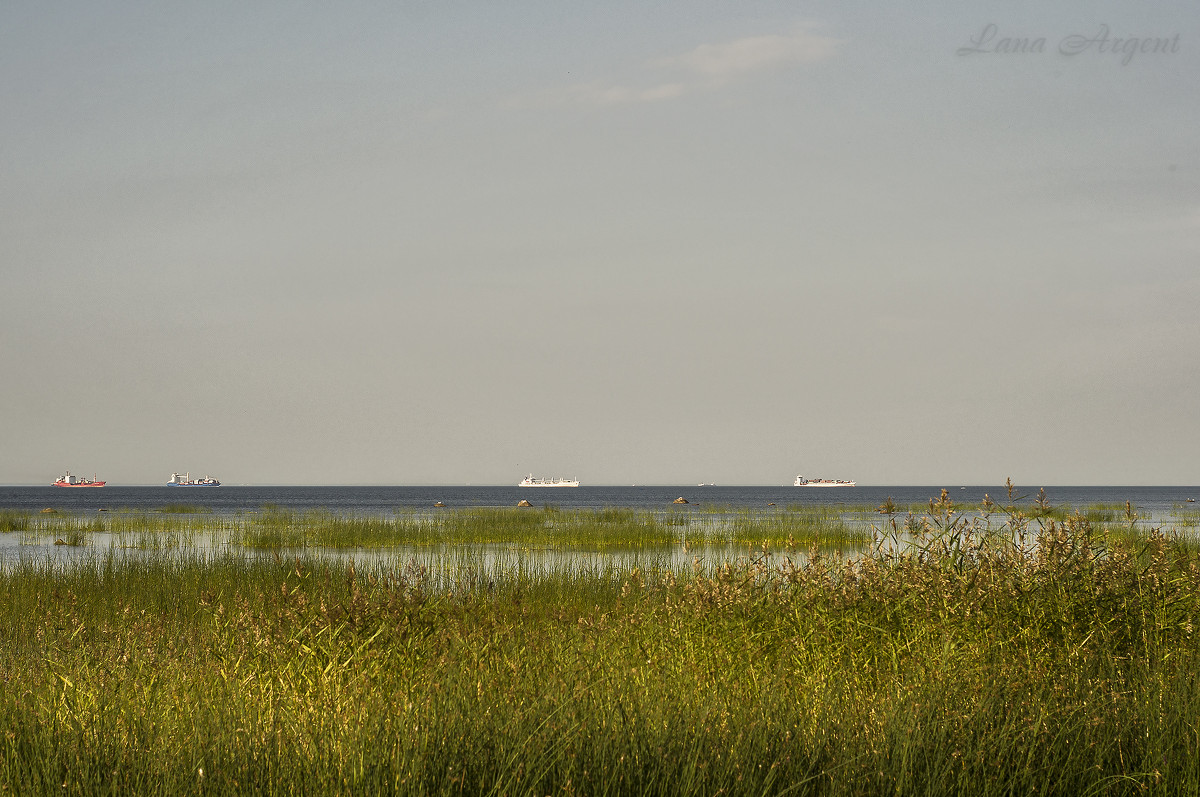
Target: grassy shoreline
x,y
1004,656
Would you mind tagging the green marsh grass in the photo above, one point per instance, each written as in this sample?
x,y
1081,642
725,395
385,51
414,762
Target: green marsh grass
x,y
1104,513
827,528
1188,518
11,520
550,528
539,528
123,529
991,654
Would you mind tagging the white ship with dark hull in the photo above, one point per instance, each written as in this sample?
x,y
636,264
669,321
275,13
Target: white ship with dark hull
x,y
532,481
803,482
186,480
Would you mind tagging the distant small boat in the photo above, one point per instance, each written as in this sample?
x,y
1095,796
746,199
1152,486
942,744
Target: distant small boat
x,y
186,481
531,481
75,481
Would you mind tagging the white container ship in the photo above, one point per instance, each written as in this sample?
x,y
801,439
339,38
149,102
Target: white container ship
x,y
186,480
530,481
803,482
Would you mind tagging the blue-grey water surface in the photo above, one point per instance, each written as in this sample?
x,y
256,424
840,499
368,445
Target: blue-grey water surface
x,y
1154,501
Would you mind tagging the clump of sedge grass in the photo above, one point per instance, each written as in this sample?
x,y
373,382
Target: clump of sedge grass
x,y
11,520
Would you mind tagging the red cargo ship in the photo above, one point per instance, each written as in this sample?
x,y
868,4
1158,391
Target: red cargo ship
x,y
75,481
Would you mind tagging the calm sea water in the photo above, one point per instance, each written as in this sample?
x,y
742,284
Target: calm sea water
x,y
1149,501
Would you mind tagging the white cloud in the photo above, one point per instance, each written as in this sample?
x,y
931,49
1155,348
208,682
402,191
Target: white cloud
x,y
598,93
708,67
728,60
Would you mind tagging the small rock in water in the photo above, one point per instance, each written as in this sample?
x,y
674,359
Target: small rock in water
x,y
680,500
523,502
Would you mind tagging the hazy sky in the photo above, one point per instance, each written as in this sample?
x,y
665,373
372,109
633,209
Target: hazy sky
x,y
651,242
